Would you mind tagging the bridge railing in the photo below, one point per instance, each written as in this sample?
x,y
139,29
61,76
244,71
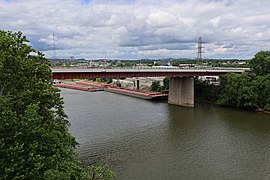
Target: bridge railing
x,y
151,67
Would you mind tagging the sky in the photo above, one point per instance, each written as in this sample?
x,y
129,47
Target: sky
x,y
140,29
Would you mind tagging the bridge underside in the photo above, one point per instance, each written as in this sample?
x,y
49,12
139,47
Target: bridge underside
x,y
81,75
181,91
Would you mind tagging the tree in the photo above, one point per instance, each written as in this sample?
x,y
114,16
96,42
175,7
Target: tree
x,y
239,91
166,82
260,64
34,139
262,84
155,86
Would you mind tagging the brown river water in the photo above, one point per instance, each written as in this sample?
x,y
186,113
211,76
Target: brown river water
x,y
141,139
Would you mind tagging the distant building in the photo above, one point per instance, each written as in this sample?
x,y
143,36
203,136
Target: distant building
x,y
72,58
242,62
210,79
165,62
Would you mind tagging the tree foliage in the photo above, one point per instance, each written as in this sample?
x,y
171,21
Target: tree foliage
x,y
239,91
156,86
262,84
260,64
34,139
104,80
166,82
101,172
246,90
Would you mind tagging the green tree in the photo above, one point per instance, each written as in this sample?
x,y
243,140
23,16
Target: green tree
x,y
34,139
262,84
239,91
166,82
155,86
260,64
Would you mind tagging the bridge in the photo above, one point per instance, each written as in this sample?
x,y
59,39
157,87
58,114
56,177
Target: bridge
x,y
181,87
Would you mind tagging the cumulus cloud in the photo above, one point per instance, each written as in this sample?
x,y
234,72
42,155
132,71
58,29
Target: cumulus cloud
x,y
128,29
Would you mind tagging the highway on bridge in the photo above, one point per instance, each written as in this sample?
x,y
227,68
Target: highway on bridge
x,y
72,73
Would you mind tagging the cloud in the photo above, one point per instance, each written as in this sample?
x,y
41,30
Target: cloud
x,y
126,29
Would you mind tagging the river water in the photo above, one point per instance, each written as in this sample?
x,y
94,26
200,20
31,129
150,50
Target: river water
x,y
141,139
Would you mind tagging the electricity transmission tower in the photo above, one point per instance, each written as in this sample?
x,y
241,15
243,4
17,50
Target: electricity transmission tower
x,y
53,46
199,55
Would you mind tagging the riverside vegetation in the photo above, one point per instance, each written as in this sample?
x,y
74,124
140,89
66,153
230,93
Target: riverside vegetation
x,y
249,90
34,139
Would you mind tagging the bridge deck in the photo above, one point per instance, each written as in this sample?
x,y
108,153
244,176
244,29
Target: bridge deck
x,y
71,73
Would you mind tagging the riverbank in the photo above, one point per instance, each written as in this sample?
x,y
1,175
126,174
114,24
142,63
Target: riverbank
x,y
262,111
258,110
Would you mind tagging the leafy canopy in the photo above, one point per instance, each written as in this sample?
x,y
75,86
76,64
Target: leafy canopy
x,y
246,90
34,138
260,64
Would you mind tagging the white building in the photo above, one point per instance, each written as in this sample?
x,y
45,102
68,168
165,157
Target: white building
x,y
210,79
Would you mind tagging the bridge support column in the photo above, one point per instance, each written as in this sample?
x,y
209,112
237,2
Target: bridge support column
x,y
181,91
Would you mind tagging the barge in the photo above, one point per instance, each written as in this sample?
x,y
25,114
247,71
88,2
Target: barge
x,y
137,94
94,84
127,92
77,87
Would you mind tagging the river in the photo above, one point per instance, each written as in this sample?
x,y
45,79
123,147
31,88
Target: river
x,y
144,140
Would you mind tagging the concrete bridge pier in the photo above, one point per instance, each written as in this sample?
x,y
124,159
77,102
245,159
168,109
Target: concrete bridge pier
x,y
181,91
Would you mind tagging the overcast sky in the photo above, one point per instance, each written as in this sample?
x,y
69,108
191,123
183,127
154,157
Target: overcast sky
x,y
135,29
